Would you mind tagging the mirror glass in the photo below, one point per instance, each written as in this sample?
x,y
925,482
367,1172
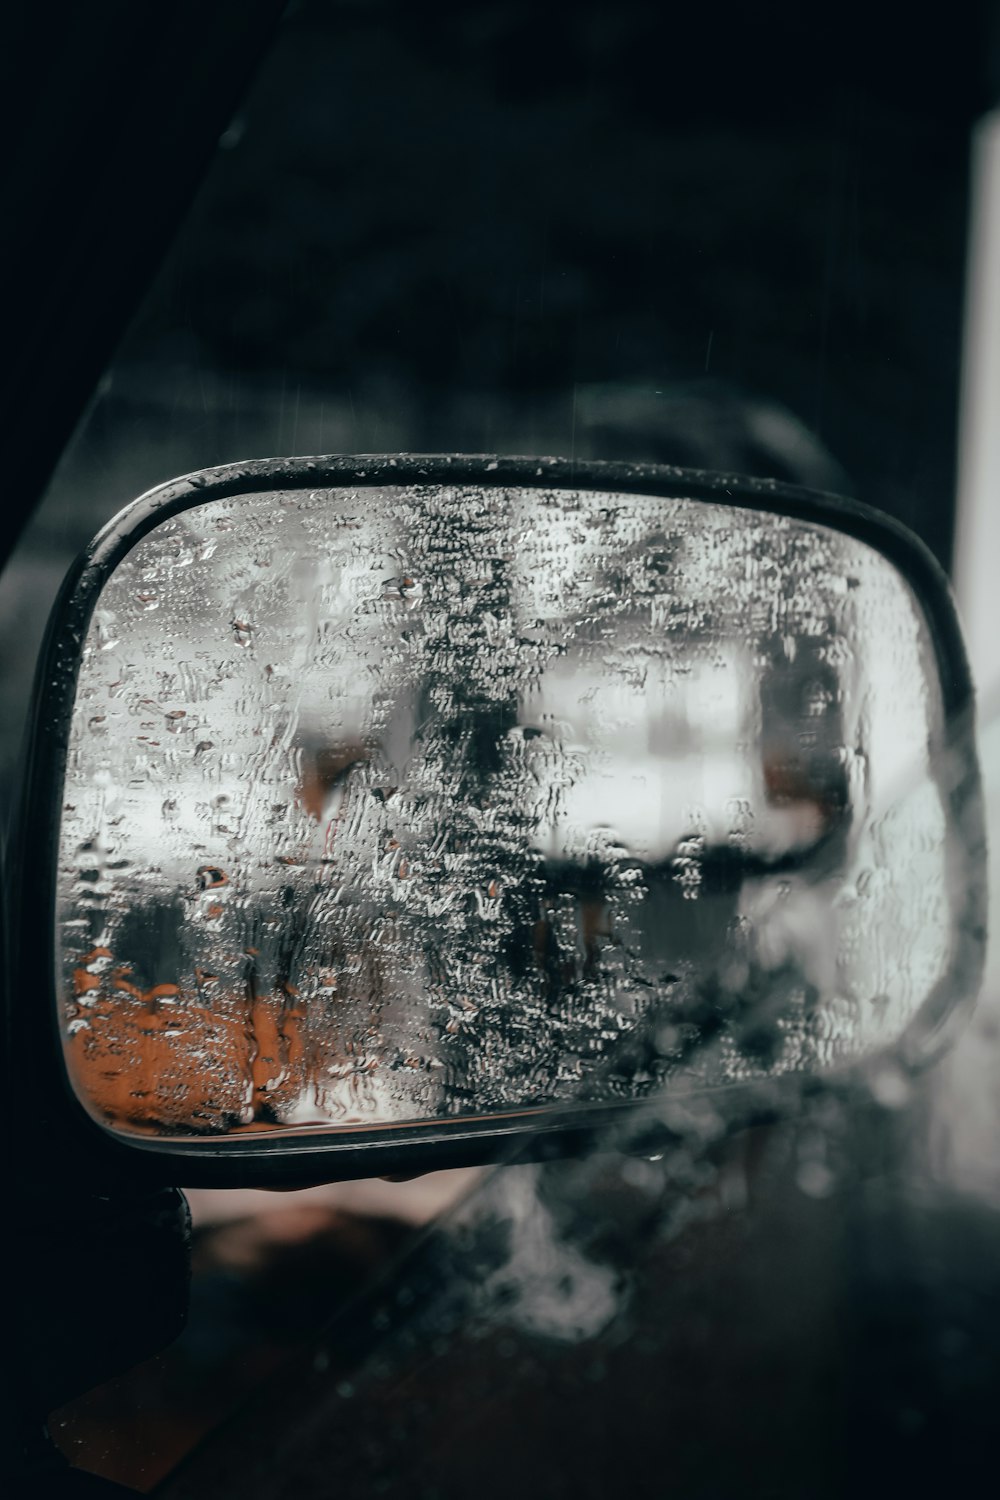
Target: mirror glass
x,y
402,804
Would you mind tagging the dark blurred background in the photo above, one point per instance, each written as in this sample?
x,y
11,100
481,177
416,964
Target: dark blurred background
x,y
467,215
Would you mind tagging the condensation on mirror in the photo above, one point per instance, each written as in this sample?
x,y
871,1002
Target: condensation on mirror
x,y
387,805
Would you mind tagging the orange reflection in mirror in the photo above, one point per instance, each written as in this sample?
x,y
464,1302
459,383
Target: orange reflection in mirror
x,y
160,1057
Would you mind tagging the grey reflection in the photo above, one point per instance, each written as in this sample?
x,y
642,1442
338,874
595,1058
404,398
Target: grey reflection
x,y
399,804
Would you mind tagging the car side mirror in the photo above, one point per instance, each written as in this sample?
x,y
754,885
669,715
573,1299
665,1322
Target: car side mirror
x,y
383,811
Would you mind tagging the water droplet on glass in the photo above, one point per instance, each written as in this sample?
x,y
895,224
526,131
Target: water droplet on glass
x,y
889,1086
815,1179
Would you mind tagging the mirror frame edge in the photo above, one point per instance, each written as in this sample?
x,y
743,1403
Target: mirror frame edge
x,y
80,1142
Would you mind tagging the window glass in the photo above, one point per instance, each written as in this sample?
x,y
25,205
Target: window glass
x,y
710,238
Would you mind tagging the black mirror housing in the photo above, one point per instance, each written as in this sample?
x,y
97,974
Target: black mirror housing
x,y
570,933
